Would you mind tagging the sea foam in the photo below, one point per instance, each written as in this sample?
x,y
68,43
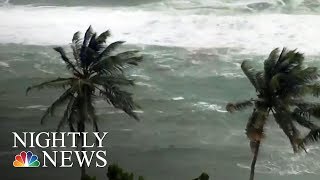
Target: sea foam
x,y
255,34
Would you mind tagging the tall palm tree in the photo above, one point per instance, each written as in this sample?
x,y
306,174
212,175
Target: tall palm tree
x,y
281,88
96,71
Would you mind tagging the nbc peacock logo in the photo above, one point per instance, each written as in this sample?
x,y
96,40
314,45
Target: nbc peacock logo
x,y
26,160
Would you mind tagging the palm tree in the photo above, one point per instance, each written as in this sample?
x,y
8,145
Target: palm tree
x,y
280,89
96,72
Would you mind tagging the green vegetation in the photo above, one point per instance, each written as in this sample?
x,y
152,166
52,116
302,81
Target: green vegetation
x,y
116,173
281,88
87,177
203,176
96,72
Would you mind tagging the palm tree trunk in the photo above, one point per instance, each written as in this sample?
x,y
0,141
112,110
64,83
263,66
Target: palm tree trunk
x,y
254,160
83,168
80,144
83,120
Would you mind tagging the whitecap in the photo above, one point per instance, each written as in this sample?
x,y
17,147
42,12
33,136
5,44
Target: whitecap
x,y
208,106
178,98
143,84
144,77
38,67
286,164
255,33
138,111
4,64
40,107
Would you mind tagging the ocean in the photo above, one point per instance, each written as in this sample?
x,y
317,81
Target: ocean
x,y
192,54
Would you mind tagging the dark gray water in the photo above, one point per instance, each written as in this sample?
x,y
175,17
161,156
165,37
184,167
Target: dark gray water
x,y
192,50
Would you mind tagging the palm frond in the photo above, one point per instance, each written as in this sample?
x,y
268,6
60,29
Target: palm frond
x,y
289,61
269,64
74,114
90,56
56,83
250,72
84,47
313,89
66,114
76,46
97,43
285,55
282,56
93,43
231,107
103,37
117,62
300,90
87,37
308,109
130,57
119,79
261,81
313,136
283,120
275,82
306,75
64,57
303,121
111,47
120,100
60,101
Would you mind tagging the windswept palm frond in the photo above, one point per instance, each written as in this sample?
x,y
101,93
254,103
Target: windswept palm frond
x,y
112,79
313,136
76,47
303,121
261,82
315,111
269,64
102,38
56,83
64,57
251,73
306,75
308,109
61,100
67,113
289,129
110,48
288,61
231,107
313,89
304,89
275,82
84,47
118,62
87,37
121,100
74,116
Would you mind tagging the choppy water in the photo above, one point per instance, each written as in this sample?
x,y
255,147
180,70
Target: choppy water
x,y
193,50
